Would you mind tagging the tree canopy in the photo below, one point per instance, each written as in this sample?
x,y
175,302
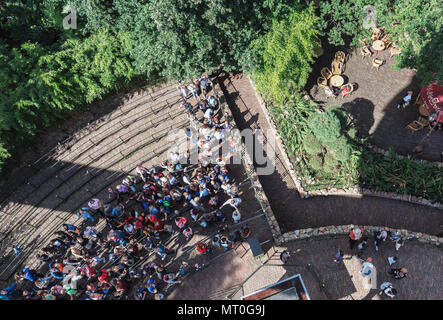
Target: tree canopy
x,y
287,53
414,25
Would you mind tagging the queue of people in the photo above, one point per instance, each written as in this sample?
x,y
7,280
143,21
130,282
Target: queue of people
x,y
144,214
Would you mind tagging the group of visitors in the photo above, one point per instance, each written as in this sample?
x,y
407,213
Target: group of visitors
x,y
143,215
359,240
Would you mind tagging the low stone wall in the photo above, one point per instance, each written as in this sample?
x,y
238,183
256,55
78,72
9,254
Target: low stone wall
x,y
399,156
251,173
345,229
334,191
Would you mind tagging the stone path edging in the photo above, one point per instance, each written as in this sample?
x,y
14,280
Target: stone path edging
x,y
333,191
399,156
252,174
345,229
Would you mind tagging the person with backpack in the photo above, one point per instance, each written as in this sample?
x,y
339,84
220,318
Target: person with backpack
x,y
338,256
398,273
387,289
84,214
405,101
367,268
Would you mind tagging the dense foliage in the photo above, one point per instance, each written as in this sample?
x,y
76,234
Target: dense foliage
x,y
326,154
47,71
183,38
287,53
414,25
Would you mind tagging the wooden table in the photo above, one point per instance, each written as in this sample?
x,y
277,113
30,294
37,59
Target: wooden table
x,y
336,81
378,45
423,111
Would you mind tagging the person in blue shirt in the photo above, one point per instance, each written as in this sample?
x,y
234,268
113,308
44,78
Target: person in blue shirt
x,y
85,215
71,228
151,285
117,211
405,101
56,274
9,293
28,275
203,192
141,293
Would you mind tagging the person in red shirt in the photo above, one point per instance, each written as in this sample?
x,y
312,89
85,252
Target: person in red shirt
x,y
355,236
201,247
181,222
158,225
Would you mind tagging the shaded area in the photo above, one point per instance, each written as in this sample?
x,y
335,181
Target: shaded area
x,y
292,212
384,124
63,135
324,279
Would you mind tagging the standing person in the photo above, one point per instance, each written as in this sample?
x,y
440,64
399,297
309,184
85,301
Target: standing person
x,y
185,91
405,101
187,233
367,267
171,278
9,293
193,88
399,273
204,84
338,256
236,216
361,247
85,215
142,172
234,203
179,89
96,206
354,236
162,251
284,256
392,260
387,289
225,243
380,237
399,243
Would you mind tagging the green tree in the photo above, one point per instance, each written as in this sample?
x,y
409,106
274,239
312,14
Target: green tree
x,y
414,25
287,53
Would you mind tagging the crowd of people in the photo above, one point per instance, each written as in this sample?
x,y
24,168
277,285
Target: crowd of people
x,y
147,211
358,240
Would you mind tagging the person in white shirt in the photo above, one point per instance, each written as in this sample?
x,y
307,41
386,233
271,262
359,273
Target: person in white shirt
x,y
387,289
219,135
208,113
94,204
236,216
367,267
174,157
234,203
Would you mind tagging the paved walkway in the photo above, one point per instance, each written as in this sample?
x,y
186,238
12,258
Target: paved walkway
x,y
373,105
98,159
228,278
343,281
292,212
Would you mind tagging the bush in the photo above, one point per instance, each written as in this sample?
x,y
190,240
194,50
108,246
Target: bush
x,y
325,126
312,145
348,162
